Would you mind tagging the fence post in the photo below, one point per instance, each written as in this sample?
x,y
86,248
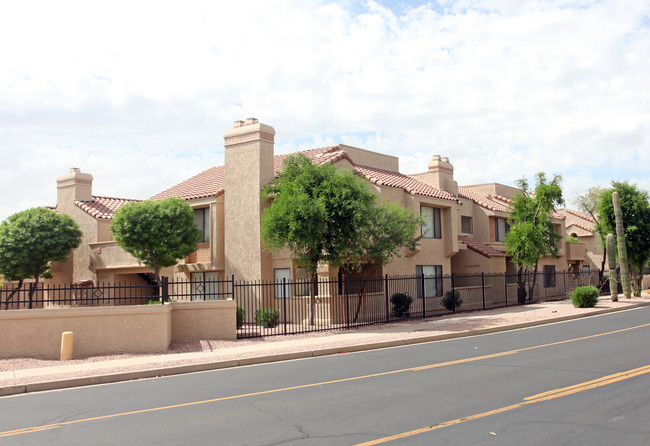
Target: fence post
x,y
424,297
347,301
483,288
232,286
453,293
165,289
284,302
505,286
386,293
31,294
565,290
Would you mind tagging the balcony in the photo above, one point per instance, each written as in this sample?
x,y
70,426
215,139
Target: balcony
x,y
575,251
107,255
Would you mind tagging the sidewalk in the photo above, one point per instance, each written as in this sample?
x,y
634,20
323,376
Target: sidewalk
x,y
22,375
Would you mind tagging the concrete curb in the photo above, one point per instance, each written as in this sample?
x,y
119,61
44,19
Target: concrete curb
x,y
177,370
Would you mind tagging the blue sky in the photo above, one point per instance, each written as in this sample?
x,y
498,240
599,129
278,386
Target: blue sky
x,y
139,93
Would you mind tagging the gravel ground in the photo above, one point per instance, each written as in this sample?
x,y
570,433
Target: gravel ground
x,y
196,352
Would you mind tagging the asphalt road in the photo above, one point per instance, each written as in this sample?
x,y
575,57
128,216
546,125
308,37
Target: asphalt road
x,y
584,382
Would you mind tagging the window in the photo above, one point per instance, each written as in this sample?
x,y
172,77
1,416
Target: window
x,y
282,283
205,286
431,283
586,271
501,228
202,221
431,225
303,285
466,225
549,276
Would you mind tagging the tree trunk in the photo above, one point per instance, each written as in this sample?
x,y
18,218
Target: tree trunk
x,y
622,247
611,255
531,289
33,288
521,286
13,293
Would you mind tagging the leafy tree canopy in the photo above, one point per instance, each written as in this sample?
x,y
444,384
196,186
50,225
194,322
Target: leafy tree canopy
x,y
532,234
636,220
588,203
316,212
32,239
158,233
325,214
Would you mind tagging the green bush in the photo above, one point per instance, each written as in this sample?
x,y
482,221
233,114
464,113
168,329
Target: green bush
x,y
585,296
267,317
451,300
401,304
241,316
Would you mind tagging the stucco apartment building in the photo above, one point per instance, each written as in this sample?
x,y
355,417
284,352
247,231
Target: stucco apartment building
x,y
464,226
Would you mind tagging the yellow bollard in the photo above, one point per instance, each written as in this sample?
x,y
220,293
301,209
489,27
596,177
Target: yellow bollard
x,y
67,342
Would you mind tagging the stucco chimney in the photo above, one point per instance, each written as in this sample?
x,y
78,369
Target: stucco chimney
x,y
441,174
249,155
72,186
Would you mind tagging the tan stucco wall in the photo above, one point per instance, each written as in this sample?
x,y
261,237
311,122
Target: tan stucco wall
x,y
204,320
110,330
372,159
471,262
96,330
248,167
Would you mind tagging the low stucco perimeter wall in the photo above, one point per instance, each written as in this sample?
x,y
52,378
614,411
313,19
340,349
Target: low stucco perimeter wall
x,y
204,320
110,330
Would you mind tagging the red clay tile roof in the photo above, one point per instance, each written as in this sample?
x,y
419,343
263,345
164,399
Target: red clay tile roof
x,y
320,155
212,181
499,204
395,179
209,183
581,226
103,207
582,215
480,247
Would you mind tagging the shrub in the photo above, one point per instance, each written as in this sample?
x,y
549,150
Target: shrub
x,y
451,300
585,296
401,304
267,317
241,316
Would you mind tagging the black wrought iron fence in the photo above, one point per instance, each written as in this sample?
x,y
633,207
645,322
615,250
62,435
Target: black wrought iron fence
x,y
288,307
291,307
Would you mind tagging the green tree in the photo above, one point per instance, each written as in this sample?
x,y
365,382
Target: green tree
x,y
391,229
532,234
324,214
636,220
30,241
158,233
588,203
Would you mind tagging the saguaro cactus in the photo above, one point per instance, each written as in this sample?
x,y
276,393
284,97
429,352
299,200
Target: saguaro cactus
x,y
611,258
622,250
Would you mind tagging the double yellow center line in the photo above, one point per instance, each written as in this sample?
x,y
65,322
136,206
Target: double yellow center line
x,y
530,400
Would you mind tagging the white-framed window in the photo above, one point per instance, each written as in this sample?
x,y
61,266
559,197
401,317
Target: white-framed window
x,y
282,278
205,285
429,278
202,222
501,228
431,224
466,224
586,271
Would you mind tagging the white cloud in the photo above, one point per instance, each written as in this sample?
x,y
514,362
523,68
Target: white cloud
x,y
140,93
